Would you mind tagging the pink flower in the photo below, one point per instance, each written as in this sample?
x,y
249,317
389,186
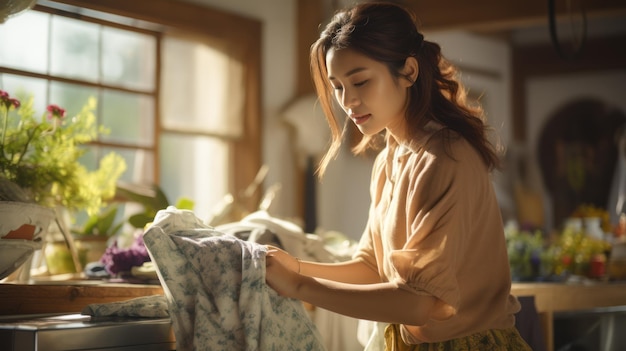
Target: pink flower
x,y
55,111
7,101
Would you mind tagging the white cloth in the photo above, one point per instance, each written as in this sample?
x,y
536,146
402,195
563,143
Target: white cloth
x,y
308,247
216,291
371,334
338,331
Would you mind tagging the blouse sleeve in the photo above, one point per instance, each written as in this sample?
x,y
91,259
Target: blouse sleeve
x,y
366,250
437,215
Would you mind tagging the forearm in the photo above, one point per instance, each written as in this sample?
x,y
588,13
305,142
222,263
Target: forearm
x,y
353,272
383,302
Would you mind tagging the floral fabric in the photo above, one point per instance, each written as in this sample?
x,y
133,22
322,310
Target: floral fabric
x,y
145,307
216,291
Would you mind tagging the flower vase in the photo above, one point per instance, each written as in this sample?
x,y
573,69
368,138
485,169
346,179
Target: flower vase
x,y
91,247
61,254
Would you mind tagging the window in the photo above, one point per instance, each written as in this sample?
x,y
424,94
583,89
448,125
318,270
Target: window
x,y
180,97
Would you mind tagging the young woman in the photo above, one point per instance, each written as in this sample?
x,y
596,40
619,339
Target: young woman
x,y
432,261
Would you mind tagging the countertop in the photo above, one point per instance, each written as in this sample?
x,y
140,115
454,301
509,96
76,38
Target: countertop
x,y
72,297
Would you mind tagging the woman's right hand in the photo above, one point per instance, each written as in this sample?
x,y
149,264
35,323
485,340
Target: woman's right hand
x,y
281,272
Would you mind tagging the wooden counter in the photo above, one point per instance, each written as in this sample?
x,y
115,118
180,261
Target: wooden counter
x,y
72,298
554,297
56,298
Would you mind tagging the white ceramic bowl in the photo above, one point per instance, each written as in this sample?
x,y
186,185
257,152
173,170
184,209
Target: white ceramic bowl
x,y
14,214
14,252
17,249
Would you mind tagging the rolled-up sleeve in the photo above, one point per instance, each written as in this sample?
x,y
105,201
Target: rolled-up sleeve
x,y
434,232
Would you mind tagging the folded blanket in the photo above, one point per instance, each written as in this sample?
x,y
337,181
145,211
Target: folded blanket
x,y
216,291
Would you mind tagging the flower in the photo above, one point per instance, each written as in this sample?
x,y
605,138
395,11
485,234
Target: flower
x,y
42,156
55,111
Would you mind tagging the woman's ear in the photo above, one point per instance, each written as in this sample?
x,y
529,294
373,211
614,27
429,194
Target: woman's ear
x,y
410,71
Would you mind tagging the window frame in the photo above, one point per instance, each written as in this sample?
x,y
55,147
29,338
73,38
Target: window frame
x,y
241,35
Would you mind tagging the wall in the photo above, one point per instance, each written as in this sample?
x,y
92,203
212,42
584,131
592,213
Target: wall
x,y
277,89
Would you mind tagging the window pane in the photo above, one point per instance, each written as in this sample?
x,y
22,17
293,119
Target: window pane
x,y
128,59
31,28
194,167
129,117
213,88
74,49
139,170
24,87
139,163
71,97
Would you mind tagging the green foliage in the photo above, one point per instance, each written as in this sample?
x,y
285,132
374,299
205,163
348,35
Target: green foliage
x,y
152,199
42,156
524,249
102,223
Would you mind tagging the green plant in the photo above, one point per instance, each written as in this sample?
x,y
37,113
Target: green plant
x,y
102,223
152,200
41,156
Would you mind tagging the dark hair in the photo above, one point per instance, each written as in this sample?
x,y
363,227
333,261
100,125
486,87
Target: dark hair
x,y
388,33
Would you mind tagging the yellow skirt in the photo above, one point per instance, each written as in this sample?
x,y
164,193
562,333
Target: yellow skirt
x,y
490,340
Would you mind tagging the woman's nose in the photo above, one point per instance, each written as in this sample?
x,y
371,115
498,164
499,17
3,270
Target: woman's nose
x,y
350,99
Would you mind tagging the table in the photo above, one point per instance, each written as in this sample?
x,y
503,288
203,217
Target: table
x,y
551,298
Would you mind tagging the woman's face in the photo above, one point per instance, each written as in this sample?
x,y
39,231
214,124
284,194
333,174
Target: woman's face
x,y
371,97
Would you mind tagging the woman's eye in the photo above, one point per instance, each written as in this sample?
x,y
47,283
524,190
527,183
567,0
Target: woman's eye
x,y
361,83
338,88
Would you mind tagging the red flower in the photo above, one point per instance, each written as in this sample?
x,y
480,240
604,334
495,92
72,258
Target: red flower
x,y
55,111
7,101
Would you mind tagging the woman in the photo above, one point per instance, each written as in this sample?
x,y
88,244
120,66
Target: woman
x,y
432,260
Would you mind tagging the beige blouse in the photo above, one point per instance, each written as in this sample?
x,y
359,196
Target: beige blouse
x,y
435,228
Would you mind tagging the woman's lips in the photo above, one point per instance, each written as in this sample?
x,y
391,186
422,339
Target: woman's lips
x,y
360,119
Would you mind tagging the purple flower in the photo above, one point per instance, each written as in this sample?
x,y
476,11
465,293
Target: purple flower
x,y
117,260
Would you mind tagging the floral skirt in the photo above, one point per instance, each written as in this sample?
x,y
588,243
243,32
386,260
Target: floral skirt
x,y
490,340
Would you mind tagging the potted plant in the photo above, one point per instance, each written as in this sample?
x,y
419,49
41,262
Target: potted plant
x,y
40,159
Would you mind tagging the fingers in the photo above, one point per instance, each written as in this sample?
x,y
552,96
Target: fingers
x,y
273,249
